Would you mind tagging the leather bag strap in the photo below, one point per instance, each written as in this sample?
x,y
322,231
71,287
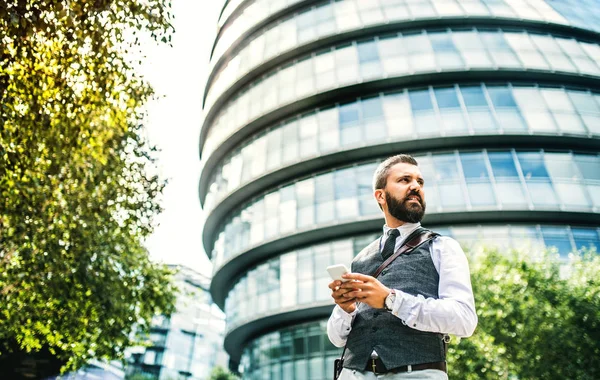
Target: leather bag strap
x,y
416,239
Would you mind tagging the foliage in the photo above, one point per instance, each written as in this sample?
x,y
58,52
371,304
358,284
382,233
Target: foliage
x,y
140,376
77,198
538,319
220,373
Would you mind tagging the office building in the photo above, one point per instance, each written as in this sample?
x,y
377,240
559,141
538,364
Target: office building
x,y
498,100
190,343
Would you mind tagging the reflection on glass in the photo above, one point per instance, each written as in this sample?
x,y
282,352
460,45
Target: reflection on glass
x,y
420,100
501,97
557,238
473,97
503,164
474,166
446,98
532,165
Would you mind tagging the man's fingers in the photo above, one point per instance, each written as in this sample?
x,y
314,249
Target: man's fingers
x,y
355,285
340,293
358,276
357,294
343,290
335,285
343,300
346,301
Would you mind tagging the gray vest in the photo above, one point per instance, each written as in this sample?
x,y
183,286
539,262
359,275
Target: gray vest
x,y
377,329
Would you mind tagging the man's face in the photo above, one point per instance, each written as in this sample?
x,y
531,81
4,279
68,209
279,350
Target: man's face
x,y
404,193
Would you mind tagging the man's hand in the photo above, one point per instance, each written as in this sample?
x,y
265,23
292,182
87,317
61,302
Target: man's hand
x,y
365,289
340,296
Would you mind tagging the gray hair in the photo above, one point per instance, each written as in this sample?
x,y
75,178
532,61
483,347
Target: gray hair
x,y
383,170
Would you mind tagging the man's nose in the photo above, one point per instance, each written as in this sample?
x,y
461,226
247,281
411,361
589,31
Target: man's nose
x,y
414,185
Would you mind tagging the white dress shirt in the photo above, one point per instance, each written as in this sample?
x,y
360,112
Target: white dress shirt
x,y
454,311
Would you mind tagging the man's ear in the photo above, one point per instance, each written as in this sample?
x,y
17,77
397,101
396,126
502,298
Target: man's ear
x,y
380,196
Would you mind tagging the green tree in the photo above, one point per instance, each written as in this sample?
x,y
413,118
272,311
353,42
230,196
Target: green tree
x,y
77,198
538,319
140,376
220,373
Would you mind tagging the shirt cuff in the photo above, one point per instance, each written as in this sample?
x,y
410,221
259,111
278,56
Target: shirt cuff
x,y
404,308
339,313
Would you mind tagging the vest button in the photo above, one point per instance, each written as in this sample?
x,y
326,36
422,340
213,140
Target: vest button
x,y
374,329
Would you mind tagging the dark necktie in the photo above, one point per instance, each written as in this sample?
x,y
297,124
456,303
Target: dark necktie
x,y
390,244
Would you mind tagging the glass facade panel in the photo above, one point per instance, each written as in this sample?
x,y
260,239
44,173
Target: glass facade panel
x,y
482,121
573,195
481,192
557,238
503,165
589,166
501,97
594,191
447,98
586,238
473,97
474,166
570,123
511,194
542,194
511,121
420,100
533,165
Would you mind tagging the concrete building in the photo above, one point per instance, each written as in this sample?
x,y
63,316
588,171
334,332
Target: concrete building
x,y
499,101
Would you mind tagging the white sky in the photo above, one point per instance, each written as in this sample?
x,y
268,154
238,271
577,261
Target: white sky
x,y
174,121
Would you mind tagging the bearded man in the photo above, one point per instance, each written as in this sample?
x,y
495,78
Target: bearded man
x,y
395,326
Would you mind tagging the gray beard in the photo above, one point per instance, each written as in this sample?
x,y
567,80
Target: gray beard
x,y
400,210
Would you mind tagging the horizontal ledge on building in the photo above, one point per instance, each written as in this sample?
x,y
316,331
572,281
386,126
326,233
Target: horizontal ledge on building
x,y
226,276
236,339
222,10
370,31
363,153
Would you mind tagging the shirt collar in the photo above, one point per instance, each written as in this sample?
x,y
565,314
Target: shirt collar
x,y
404,229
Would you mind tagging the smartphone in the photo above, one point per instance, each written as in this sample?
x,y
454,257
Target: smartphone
x,y
336,272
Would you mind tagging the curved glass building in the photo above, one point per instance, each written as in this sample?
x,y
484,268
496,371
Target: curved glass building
x,y
498,100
